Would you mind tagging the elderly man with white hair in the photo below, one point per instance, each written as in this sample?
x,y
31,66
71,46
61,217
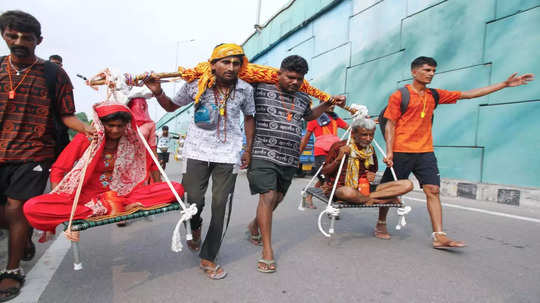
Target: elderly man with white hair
x,y
355,182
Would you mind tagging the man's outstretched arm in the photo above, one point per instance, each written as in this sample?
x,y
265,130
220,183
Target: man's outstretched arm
x,y
512,81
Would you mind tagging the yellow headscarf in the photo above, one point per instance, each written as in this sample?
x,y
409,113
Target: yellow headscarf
x,y
249,72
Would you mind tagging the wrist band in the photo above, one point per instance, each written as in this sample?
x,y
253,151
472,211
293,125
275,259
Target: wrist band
x,y
160,94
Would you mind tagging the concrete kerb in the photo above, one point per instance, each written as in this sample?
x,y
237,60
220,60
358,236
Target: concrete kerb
x,y
498,193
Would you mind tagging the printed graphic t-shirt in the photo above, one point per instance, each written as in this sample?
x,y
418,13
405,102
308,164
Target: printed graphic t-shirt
x,y
276,138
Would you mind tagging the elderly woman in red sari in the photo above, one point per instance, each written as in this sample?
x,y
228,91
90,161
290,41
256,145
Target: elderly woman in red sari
x,y
115,177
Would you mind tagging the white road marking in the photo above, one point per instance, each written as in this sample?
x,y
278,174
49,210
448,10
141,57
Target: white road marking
x,y
40,275
494,213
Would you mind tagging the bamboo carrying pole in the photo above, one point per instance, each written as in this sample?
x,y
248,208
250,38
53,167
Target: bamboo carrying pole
x,y
176,75
139,78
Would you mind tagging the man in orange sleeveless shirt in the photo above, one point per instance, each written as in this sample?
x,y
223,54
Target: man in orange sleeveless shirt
x,y
409,142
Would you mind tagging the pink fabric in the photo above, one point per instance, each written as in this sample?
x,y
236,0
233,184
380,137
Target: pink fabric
x,y
324,142
139,108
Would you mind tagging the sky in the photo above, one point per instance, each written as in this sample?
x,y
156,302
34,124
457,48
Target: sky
x,y
137,36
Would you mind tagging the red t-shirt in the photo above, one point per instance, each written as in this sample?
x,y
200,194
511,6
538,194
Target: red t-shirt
x,y
329,129
413,133
27,131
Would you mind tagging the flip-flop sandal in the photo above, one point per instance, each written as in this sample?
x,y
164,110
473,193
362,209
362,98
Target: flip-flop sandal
x,y
29,252
212,272
12,292
268,263
254,239
450,244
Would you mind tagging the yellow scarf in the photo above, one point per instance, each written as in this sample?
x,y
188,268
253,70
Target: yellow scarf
x,y
353,164
251,73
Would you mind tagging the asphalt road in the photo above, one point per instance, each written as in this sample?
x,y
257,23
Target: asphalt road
x,y
135,263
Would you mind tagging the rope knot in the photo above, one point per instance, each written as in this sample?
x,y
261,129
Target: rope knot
x,y
402,211
189,212
332,210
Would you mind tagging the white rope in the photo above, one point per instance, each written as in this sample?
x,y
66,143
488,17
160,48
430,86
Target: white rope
x,y
402,211
185,214
333,212
176,241
89,150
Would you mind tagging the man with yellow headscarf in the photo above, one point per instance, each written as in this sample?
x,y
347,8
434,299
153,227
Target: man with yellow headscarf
x,y
214,141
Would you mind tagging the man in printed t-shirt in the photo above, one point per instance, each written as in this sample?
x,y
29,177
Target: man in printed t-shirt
x,y
276,149
409,143
27,135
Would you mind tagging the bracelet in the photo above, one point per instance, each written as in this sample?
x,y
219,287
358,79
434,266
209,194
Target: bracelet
x,y
160,94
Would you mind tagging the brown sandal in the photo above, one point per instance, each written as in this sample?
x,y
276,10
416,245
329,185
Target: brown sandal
x,y
440,241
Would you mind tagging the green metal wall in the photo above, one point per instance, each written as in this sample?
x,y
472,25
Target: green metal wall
x,y
363,48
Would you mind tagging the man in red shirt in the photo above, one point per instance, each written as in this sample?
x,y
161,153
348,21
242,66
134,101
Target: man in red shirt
x,y
409,142
325,129
27,135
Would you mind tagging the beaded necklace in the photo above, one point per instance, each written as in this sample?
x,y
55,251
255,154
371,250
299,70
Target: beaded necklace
x,y
289,112
11,94
221,104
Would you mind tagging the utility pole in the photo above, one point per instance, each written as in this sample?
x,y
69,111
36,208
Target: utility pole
x,y
258,21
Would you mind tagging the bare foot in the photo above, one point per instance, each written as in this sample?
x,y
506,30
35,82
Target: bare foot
x,y
381,231
383,201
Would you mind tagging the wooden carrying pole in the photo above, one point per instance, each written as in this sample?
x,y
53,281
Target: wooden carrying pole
x,y
138,78
175,75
